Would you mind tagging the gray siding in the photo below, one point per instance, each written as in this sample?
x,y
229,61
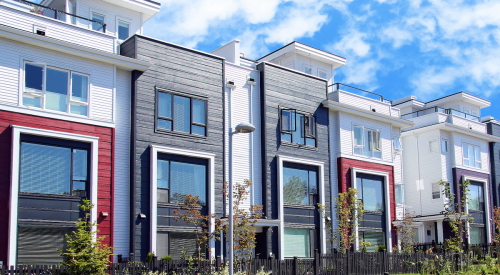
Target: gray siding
x,y
288,88
494,129
178,69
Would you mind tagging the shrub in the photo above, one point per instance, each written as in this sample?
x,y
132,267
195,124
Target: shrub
x,y
167,258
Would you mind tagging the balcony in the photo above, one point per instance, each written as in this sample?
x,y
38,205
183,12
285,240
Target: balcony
x,y
54,23
363,99
436,115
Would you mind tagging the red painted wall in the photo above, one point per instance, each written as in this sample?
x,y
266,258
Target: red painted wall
x,y
344,174
105,180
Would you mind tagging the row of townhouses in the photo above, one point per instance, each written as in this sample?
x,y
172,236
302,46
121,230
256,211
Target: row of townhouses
x,y
92,108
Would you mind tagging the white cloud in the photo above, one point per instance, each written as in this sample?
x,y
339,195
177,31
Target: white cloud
x,y
397,36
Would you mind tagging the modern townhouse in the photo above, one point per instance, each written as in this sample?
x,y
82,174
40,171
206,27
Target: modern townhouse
x,y
63,121
448,142
365,146
493,128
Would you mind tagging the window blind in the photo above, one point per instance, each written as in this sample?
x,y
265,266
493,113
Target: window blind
x,y
297,242
161,244
180,240
37,245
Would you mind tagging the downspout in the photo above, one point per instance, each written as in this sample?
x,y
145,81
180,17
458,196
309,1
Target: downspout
x,y
252,200
419,178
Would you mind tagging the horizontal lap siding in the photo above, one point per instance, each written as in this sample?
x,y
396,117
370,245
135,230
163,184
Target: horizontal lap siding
x,y
494,129
101,75
56,29
180,70
282,87
104,166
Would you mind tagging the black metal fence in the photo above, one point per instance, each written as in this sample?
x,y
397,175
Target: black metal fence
x,y
352,263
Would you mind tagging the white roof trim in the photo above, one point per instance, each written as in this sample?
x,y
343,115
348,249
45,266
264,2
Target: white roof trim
x,y
121,62
336,106
454,128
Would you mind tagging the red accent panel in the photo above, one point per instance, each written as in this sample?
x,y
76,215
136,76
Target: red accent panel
x,y
105,175
344,166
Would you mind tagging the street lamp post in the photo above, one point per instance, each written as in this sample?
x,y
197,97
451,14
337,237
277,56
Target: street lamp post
x,y
243,128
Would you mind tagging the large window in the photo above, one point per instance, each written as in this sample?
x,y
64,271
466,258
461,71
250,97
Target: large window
x,y
38,245
477,235
367,142
52,166
173,244
181,113
374,238
55,89
300,184
371,192
179,177
297,242
298,127
476,198
472,155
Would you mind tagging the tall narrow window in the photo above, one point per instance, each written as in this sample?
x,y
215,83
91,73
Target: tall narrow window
x,y
371,192
476,199
298,127
123,30
444,146
436,191
79,94
472,155
399,193
433,146
396,141
181,114
300,185
367,142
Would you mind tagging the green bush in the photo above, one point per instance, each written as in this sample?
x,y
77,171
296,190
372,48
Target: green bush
x,y
167,258
150,257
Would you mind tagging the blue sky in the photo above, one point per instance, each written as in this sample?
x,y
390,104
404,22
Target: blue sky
x,y
395,48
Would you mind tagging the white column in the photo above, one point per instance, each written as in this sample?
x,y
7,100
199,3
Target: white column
x,y
440,231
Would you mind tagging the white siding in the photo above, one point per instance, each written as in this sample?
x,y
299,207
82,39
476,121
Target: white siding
x,y
459,140
411,175
240,112
25,20
446,157
467,123
347,121
429,119
121,207
334,133
315,65
101,76
398,171
230,51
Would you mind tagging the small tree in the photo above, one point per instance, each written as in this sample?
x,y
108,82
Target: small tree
x,y
244,220
496,235
202,223
349,210
84,255
406,230
456,216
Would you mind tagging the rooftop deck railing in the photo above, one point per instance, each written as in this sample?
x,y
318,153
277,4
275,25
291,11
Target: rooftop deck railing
x,y
357,91
61,15
436,109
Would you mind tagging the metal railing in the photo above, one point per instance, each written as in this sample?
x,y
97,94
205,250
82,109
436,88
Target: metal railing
x,y
436,109
357,91
61,15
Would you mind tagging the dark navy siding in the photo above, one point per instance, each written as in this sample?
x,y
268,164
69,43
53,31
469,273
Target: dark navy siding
x,y
494,129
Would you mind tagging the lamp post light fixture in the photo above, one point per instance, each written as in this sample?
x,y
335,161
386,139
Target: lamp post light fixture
x,y
243,128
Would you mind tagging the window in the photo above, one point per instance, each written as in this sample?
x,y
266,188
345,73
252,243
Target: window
x,y
298,127
51,166
444,146
181,176
123,30
371,192
297,242
307,70
98,18
55,89
396,141
300,184
38,245
374,238
322,74
367,142
477,235
436,191
433,146
476,198
181,113
172,243
472,155
399,190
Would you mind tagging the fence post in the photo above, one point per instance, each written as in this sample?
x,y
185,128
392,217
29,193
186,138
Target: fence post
x,y
348,265
316,261
295,265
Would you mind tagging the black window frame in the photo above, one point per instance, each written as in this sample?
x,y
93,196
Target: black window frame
x,y
361,191
303,133
189,160
312,197
49,141
172,119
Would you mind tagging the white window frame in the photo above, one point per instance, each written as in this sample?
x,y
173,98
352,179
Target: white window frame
x,y
476,147
402,194
154,151
430,146
432,190
379,149
387,198
321,196
400,143
320,71
126,21
15,176
98,12
447,143
41,94
305,66
486,206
